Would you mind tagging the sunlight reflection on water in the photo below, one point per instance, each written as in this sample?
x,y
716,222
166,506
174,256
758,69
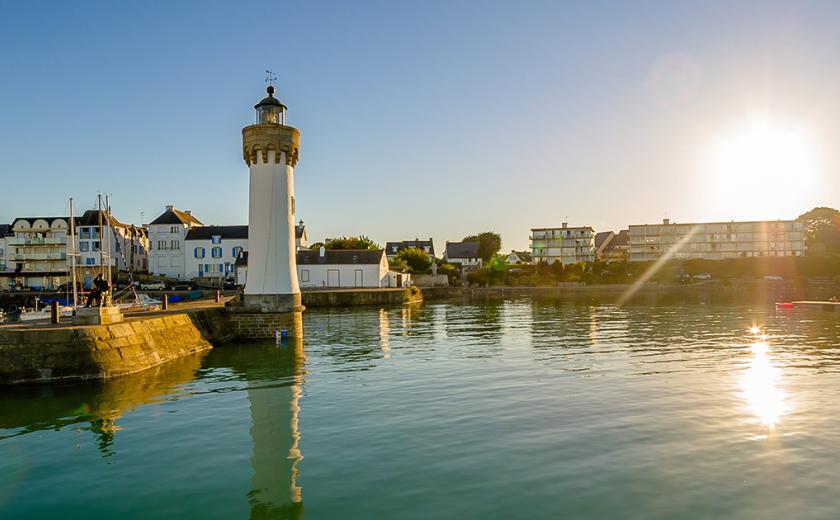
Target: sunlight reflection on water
x,y
760,386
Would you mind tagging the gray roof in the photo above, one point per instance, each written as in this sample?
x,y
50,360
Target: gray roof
x,y
331,257
340,256
91,218
392,248
208,232
601,237
621,239
175,216
462,250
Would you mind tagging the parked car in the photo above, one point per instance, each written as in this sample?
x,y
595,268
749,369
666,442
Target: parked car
x,y
68,286
702,276
183,286
153,286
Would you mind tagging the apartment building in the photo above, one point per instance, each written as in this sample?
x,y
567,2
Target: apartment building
x,y
36,253
716,240
564,244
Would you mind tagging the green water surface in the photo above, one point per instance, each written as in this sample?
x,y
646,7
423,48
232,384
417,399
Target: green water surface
x,y
502,410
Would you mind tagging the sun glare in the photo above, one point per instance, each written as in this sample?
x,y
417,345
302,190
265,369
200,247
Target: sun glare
x,y
765,171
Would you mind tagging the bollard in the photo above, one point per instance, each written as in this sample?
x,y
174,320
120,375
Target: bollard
x,y
165,302
54,312
218,296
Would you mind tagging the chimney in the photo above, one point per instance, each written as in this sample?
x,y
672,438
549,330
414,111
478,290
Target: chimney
x,y
323,252
188,211
666,221
564,225
169,207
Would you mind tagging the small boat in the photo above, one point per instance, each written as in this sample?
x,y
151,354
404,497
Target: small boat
x,y
784,305
44,314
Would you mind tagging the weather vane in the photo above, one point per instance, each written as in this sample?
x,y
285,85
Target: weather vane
x,y
270,77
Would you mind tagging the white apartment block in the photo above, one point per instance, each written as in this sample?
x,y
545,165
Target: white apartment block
x,y
36,253
717,240
565,244
167,236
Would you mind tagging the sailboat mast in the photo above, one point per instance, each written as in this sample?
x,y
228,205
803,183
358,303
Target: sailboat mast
x,y
101,237
73,252
110,233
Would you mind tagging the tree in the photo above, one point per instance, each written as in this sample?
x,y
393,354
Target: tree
x,y
489,244
416,260
359,242
822,230
316,246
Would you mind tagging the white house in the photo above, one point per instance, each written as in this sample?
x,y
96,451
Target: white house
x,y
167,236
428,246
337,268
211,251
465,254
518,257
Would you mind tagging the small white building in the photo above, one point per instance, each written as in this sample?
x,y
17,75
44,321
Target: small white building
x,y
464,254
211,251
338,268
518,258
167,236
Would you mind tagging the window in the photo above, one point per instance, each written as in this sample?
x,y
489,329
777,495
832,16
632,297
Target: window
x,y
216,252
174,245
90,261
304,275
174,229
293,205
85,232
199,252
84,246
216,239
94,245
161,245
236,251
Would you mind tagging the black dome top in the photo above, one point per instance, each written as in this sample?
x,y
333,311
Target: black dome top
x,y
270,100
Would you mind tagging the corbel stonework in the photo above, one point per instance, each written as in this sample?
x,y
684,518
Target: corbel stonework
x,y
268,136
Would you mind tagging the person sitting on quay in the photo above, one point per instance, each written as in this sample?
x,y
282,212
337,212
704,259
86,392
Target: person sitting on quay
x,y
100,287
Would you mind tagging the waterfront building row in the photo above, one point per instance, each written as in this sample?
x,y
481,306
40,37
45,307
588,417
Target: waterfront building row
x,y
648,242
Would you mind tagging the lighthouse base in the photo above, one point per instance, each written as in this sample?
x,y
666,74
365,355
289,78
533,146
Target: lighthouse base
x,y
265,316
270,302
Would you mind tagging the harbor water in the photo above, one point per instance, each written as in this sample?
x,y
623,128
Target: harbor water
x,y
514,409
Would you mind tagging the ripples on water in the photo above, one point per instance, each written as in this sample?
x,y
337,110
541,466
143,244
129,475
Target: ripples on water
x,y
502,410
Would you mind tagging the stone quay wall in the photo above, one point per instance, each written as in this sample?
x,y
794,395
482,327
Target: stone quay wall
x,y
353,297
73,353
264,325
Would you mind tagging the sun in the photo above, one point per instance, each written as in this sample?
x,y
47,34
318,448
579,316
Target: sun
x,y
766,170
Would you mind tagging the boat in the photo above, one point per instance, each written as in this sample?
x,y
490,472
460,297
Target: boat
x,y
784,305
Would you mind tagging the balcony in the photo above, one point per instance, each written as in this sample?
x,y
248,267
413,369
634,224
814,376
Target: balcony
x,y
40,256
24,241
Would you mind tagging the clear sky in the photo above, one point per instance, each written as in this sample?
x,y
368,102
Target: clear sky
x,y
426,118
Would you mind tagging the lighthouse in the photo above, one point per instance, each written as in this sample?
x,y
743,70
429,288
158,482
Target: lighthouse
x,y
271,149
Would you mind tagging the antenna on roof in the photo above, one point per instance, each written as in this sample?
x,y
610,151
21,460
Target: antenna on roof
x,y
270,77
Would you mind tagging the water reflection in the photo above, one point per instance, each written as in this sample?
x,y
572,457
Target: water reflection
x,y
273,375
760,386
27,409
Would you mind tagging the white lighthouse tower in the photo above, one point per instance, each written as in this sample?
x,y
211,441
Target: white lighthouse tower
x,y
271,149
